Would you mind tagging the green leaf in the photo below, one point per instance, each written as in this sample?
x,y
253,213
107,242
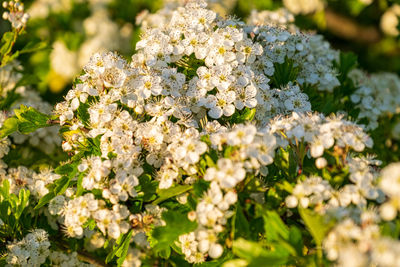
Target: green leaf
x,y
296,240
317,226
148,187
240,225
65,169
33,46
10,99
200,186
244,115
10,126
23,202
61,185
256,255
79,187
347,62
284,73
7,43
274,227
165,194
83,113
5,189
121,250
44,200
27,119
177,223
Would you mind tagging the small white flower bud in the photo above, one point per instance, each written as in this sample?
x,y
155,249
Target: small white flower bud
x,y
388,212
291,202
5,4
5,15
192,215
321,163
215,251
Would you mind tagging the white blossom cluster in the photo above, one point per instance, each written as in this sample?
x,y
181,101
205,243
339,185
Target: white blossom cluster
x,y
15,14
319,132
278,18
98,29
358,242
61,259
24,178
283,101
304,6
81,209
169,106
253,149
377,95
390,185
318,193
32,250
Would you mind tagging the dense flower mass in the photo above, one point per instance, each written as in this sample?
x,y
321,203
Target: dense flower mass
x,y
209,145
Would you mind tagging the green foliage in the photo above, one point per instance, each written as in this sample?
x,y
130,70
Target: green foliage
x,y
284,73
26,120
347,62
165,194
317,226
120,250
247,114
164,237
12,207
256,255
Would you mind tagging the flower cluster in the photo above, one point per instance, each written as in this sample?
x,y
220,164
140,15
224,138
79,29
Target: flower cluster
x,y
303,6
377,95
390,185
198,146
320,132
32,250
15,14
358,242
278,18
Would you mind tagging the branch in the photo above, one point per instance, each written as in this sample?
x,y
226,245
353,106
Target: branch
x,y
348,28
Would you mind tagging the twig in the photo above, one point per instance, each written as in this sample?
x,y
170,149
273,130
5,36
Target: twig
x,y
348,28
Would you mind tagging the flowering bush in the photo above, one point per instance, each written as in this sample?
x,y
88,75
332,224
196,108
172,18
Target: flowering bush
x,y
218,143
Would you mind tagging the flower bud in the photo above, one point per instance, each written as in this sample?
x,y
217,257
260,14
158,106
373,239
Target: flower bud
x,y
215,251
388,212
321,163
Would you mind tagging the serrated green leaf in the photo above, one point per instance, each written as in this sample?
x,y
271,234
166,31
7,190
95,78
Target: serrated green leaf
x,y
284,73
165,194
5,189
44,200
121,250
316,225
256,255
241,225
61,185
7,43
274,227
23,202
10,126
33,46
148,187
177,224
83,114
296,240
